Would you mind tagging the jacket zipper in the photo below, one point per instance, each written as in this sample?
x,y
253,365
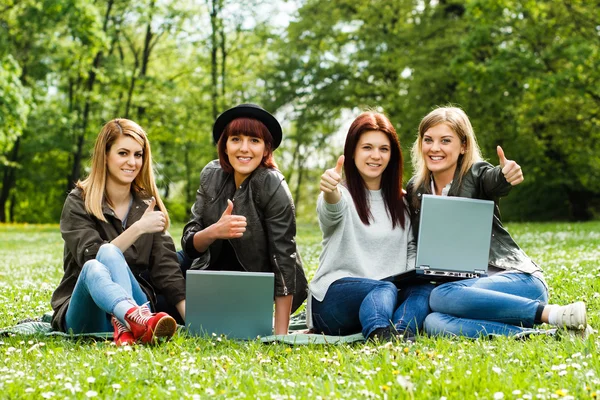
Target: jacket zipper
x,y
236,256
285,289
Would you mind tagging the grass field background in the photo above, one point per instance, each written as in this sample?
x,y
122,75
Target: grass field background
x,y
539,368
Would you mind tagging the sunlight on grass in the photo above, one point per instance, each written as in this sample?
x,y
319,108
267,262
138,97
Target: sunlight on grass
x,y
198,368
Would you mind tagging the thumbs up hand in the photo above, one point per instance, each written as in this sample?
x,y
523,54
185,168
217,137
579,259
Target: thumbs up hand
x,y
229,226
332,177
330,181
152,221
511,170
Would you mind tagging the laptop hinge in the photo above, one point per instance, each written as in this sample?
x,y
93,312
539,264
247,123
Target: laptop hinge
x,y
480,271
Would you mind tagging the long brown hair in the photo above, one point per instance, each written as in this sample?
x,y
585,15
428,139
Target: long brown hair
x,y
247,127
391,180
94,186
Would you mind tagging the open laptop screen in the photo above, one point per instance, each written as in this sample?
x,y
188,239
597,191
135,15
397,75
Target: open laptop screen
x,y
454,234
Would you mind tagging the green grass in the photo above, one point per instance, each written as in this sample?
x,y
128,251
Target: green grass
x,y
540,368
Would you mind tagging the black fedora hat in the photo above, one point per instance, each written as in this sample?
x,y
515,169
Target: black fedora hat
x,y
248,111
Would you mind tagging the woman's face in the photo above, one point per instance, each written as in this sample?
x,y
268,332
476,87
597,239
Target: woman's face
x,y
245,154
124,160
441,148
371,157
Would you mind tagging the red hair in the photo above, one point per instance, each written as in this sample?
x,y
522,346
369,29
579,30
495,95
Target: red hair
x,y
247,127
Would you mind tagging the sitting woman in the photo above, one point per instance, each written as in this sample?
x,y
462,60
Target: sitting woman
x,y
367,236
243,218
447,162
114,227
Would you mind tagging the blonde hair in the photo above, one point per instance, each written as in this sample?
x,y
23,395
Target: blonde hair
x,y
94,186
455,119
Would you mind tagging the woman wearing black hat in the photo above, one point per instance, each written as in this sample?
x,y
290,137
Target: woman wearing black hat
x,y
243,218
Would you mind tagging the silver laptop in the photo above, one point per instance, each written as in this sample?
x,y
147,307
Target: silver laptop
x,y
454,239
236,304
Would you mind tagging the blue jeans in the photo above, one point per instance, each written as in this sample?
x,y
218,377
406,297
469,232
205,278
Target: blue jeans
x,y
362,305
103,285
502,304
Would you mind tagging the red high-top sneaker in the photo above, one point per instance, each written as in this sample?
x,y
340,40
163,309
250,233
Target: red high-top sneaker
x,y
147,327
121,335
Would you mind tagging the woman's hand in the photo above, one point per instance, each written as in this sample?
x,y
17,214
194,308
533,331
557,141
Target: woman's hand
x,y
152,221
229,226
511,170
330,181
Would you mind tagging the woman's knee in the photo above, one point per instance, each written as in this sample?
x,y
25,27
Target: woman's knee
x,y
433,322
387,289
109,251
441,295
92,269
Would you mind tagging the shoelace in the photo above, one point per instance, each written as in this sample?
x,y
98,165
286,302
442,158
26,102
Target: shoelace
x,y
145,309
120,327
139,315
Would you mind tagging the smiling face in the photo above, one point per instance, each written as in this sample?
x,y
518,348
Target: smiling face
x,y
124,160
371,157
441,149
245,153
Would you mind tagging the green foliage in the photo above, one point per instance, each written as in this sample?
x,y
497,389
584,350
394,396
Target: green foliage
x,y
186,367
14,104
524,71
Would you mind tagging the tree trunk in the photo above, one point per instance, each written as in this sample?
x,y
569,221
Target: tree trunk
x,y
223,59
300,170
579,201
131,87
11,207
214,47
9,179
146,57
80,140
189,189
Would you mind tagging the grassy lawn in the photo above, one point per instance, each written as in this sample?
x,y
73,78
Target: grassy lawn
x,y
540,368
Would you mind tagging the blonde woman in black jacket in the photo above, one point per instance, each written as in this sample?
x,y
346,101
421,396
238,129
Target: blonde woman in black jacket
x,y
447,162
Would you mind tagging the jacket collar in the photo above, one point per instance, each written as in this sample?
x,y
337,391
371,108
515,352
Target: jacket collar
x,y
138,207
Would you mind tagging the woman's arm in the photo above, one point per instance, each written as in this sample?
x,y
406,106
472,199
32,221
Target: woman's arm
x,y
197,237
498,181
283,309
280,226
181,308
152,221
79,229
330,181
227,227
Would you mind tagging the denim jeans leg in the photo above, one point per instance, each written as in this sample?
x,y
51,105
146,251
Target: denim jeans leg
x,y
438,324
510,298
354,304
112,257
105,286
185,262
376,310
413,307
93,299
503,304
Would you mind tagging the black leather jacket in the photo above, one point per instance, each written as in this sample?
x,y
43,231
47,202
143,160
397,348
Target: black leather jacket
x,y
269,244
486,182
